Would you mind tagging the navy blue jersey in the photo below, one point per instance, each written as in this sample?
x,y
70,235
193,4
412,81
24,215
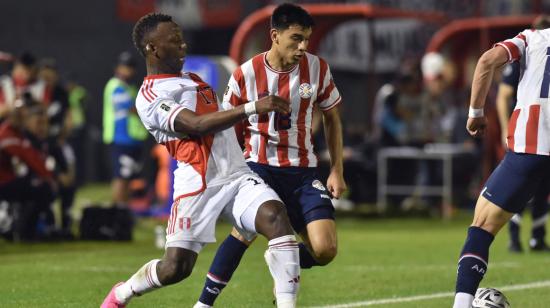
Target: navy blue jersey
x,y
511,76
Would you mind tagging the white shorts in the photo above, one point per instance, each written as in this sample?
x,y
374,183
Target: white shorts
x,y
192,221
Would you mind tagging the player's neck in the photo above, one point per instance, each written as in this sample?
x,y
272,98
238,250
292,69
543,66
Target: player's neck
x,y
159,69
276,61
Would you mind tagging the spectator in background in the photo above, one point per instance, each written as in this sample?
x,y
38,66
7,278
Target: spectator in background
x,y
56,99
122,128
506,100
78,99
396,106
23,79
25,181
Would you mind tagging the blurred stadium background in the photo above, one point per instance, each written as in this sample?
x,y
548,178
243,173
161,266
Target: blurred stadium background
x,y
410,199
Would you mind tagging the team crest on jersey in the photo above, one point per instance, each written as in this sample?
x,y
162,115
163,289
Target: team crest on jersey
x,y
317,184
305,90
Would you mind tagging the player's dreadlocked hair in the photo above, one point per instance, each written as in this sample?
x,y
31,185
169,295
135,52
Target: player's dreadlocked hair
x,y
144,25
287,14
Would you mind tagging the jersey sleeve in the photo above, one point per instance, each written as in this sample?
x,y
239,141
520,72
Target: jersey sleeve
x,y
232,96
328,96
515,47
161,112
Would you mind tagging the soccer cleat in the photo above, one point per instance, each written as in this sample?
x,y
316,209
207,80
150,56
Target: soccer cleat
x,y
110,301
538,245
201,305
515,247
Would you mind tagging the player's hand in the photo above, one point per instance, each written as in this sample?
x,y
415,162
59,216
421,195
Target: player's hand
x,y
504,137
272,103
336,184
476,126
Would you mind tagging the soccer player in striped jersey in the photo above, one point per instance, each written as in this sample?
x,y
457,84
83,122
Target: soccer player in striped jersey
x,y
278,147
527,163
182,112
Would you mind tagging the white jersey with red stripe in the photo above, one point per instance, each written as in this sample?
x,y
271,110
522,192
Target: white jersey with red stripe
x,y
202,161
276,139
529,126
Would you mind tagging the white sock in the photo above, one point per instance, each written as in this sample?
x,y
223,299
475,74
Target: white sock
x,y
463,300
143,281
283,259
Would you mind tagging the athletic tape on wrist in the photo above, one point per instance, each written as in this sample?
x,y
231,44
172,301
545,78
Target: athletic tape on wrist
x,y
250,108
475,113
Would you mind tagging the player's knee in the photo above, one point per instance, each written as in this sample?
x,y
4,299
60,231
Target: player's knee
x,y
325,253
273,215
174,272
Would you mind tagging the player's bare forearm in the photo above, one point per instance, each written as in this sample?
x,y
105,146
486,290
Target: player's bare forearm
x,y
483,75
188,122
333,136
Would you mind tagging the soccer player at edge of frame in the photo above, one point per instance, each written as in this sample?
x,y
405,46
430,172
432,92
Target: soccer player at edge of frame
x,y
212,179
278,147
527,162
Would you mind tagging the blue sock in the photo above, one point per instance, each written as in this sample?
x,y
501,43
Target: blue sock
x,y
223,266
306,259
473,261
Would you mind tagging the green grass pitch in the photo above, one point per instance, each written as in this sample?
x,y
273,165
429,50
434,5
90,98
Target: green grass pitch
x,y
378,259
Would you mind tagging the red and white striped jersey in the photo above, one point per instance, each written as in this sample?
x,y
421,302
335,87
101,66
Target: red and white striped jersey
x,y
276,139
202,161
529,126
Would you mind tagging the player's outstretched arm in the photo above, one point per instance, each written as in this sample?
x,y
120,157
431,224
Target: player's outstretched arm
x,y
486,66
188,122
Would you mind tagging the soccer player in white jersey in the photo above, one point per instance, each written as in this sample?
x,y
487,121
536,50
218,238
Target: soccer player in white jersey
x,y
527,162
279,148
212,179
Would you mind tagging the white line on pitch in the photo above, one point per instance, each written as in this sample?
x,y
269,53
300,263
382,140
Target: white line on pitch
x,y
532,285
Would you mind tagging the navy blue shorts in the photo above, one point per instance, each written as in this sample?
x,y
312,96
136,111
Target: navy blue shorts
x,y
125,161
515,180
304,195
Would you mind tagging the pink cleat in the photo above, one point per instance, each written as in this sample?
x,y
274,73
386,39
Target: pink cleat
x,y
111,301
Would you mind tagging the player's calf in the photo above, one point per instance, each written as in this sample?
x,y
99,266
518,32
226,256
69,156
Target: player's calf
x,y
474,258
282,255
175,266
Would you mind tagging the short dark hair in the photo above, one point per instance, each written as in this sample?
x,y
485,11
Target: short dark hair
x,y
288,14
146,24
541,22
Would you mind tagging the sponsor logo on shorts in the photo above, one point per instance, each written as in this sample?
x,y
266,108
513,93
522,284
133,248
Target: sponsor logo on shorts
x,y
317,184
256,182
485,192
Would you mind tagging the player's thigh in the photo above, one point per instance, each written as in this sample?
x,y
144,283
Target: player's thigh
x,y
515,181
489,216
313,202
509,188
251,193
193,218
320,236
